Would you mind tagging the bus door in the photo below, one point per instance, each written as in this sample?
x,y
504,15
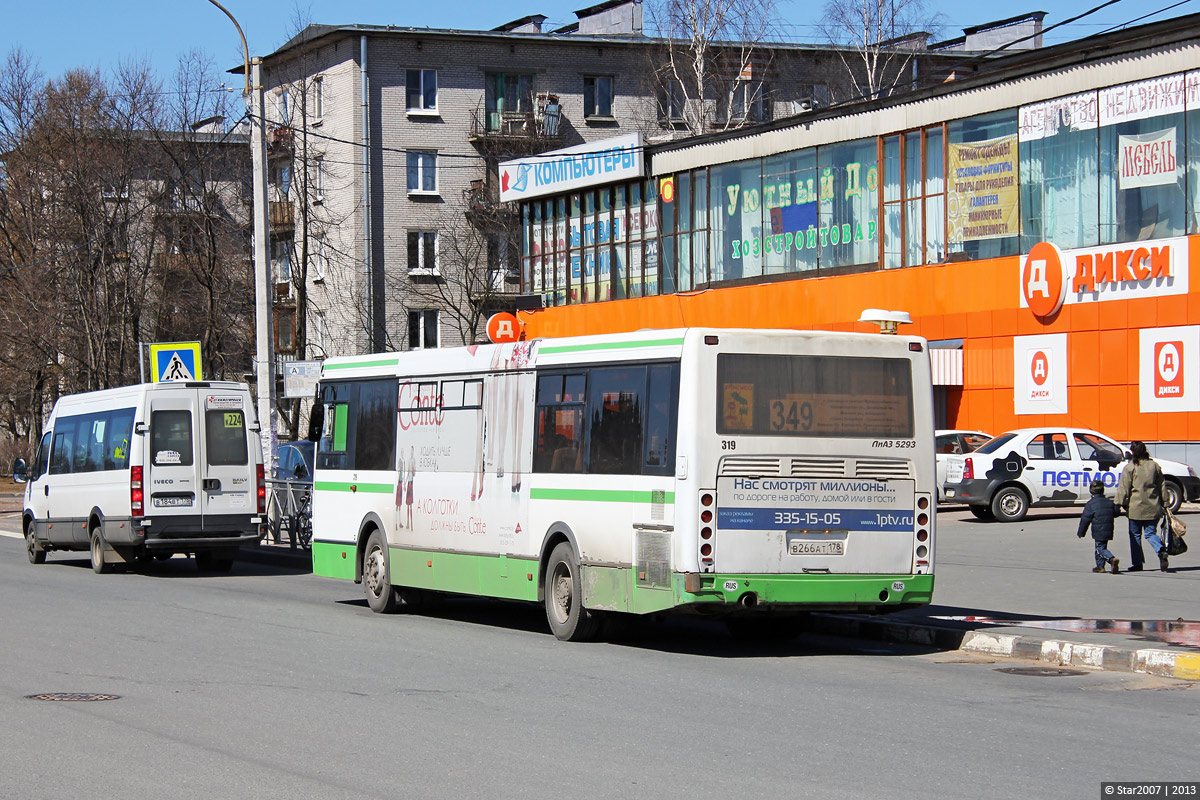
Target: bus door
x,y
173,474
228,483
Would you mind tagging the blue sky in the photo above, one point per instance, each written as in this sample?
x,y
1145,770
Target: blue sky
x,y
63,34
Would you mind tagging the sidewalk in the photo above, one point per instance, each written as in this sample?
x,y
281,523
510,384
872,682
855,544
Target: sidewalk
x,y
1019,590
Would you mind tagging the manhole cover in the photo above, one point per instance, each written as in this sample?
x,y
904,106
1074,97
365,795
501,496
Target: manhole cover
x,y
1042,672
73,697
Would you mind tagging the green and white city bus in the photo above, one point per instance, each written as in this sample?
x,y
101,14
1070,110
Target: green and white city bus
x,y
749,474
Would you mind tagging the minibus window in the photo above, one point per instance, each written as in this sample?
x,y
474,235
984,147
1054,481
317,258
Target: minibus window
x,y
171,438
225,435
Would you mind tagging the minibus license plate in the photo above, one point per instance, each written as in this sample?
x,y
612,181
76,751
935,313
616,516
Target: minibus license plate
x,y
172,502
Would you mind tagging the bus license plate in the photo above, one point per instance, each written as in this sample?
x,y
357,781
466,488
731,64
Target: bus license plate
x,y
809,547
172,502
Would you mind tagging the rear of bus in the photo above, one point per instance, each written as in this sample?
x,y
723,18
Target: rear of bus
x,y
811,474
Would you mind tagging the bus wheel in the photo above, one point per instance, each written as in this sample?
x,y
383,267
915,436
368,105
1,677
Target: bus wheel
x,y
982,512
33,550
1172,495
1010,504
380,594
569,620
99,566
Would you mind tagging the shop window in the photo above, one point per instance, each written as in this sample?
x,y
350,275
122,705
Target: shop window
x,y
789,205
848,204
914,200
1059,173
1142,158
981,156
735,220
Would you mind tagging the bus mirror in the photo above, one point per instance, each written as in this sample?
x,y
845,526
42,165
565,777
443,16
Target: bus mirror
x,y
19,470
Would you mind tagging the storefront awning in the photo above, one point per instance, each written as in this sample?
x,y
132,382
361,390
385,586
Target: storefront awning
x,y
947,366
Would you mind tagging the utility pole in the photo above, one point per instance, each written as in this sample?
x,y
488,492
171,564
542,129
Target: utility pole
x,y
263,362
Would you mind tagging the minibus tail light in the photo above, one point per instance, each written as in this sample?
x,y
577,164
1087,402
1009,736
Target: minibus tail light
x,y
260,476
136,494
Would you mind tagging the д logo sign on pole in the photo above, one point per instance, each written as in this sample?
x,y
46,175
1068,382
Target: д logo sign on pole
x,y
1043,281
503,328
175,361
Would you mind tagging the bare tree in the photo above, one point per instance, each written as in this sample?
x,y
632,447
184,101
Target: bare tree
x,y
877,41
710,71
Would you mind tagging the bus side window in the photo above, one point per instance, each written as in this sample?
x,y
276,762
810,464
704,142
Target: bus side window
x,y
560,445
662,416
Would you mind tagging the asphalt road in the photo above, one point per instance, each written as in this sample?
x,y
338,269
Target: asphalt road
x,y
270,683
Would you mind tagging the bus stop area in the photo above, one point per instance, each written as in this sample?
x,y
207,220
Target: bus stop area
x,y
1017,590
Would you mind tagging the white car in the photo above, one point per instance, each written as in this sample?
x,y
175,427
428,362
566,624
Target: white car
x,y
1049,467
954,443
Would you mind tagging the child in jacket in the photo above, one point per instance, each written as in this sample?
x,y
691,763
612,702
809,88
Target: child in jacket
x,y
1099,514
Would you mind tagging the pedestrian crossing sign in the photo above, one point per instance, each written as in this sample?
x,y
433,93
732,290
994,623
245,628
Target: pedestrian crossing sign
x,y
175,361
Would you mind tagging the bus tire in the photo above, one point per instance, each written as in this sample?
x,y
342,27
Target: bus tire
x,y
98,546
377,584
569,620
35,552
1010,504
1172,495
982,512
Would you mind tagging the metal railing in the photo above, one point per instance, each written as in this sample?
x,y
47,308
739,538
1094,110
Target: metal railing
x,y
289,512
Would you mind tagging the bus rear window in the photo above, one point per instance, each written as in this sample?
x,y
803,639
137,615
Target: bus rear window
x,y
225,436
171,438
776,395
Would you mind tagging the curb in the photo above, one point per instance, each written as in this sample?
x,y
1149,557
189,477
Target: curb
x,y
1150,661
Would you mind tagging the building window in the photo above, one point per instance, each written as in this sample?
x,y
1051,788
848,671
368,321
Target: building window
x,y
422,329
318,99
320,337
318,180
282,259
422,253
748,102
597,96
320,258
422,172
671,103
507,95
420,89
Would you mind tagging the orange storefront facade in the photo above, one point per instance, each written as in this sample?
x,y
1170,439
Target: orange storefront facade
x,y
977,302
1041,228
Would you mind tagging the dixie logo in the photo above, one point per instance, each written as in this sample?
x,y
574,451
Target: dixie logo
x,y
1168,369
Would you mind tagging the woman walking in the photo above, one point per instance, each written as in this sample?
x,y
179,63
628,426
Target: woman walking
x,y
1139,492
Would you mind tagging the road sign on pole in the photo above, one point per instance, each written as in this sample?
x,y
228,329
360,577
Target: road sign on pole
x,y
175,361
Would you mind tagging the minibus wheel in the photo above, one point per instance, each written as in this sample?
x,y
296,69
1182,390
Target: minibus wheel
x,y
99,565
36,554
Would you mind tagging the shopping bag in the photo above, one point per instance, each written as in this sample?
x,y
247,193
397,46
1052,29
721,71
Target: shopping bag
x,y
1172,539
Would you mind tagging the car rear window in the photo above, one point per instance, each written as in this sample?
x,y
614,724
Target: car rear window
x,y
996,444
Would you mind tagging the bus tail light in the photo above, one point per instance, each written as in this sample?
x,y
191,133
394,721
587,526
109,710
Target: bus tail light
x,y
708,542
137,495
923,530
260,477
968,469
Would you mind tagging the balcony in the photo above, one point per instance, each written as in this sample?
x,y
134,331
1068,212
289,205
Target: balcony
x,y
281,141
282,218
170,263
520,131
484,209
179,204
